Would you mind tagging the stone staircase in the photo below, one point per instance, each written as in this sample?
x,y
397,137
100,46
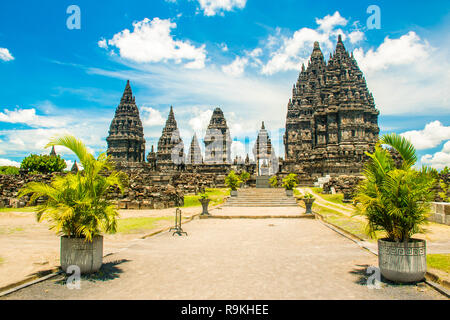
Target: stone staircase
x,y
261,197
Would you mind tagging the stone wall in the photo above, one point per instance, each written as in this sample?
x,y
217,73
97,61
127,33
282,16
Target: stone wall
x,y
342,184
440,212
140,194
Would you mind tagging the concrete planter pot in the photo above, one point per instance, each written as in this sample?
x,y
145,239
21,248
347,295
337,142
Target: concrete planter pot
x,y
205,203
88,256
308,204
402,262
233,193
290,193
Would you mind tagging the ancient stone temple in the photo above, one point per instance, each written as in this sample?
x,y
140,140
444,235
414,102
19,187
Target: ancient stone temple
x,y
217,140
126,135
264,153
170,152
331,119
195,153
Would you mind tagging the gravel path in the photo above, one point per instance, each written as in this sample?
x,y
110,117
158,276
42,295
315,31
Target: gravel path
x,y
236,259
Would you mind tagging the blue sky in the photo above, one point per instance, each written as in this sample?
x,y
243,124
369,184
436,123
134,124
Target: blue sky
x,y
241,55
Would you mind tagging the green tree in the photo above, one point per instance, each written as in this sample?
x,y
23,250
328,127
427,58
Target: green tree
x,y
233,181
290,182
273,181
395,199
43,163
76,204
244,176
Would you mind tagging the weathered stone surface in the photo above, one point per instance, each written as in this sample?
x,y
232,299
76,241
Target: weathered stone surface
x,y
217,140
331,119
342,184
126,135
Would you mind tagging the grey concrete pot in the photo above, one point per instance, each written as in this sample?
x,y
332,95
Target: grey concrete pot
x,y
289,193
402,262
233,193
205,203
88,256
308,205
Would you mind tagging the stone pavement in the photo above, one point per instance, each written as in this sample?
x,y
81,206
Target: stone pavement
x,y
235,259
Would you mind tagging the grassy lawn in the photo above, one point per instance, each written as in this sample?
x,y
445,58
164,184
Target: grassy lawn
x,y
137,225
349,224
439,261
217,196
26,209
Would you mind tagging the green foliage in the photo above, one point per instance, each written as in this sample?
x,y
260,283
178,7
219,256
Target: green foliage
x,y
8,170
394,199
290,182
203,196
308,195
273,181
217,196
439,261
446,170
233,181
444,194
76,204
142,224
244,176
43,163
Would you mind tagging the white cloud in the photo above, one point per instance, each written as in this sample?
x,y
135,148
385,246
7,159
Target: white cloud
x,y
223,47
236,68
213,7
237,149
151,41
440,159
408,75
199,123
408,49
29,117
431,136
151,117
294,50
102,43
5,55
9,163
356,36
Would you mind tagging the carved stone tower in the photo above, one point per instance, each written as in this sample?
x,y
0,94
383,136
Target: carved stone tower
x,y
170,152
331,119
126,135
217,140
195,153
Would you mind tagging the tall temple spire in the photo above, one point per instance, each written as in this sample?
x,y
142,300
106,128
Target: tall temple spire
x,y
217,139
170,145
126,134
53,152
195,153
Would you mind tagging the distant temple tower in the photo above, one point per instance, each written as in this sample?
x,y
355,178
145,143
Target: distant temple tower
x,y
263,152
126,135
217,140
331,119
170,152
195,153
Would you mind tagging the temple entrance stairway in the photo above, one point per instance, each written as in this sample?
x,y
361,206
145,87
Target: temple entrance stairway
x,y
261,197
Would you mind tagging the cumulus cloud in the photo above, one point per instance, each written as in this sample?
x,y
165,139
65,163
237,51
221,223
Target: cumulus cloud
x,y
5,55
294,50
9,163
152,41
199,123
431,136
213,7
103,44
151,117
236,68
440,159
29,117
237,149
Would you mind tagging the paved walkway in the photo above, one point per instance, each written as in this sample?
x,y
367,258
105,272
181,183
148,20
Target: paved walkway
x,y
236,259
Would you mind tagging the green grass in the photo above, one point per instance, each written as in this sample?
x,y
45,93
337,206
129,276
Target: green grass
x,y
335,198
9,230
317,190
296,192
439,261
26,209
2,260
137,225
217,196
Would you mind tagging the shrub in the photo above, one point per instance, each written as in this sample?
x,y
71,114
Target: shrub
x,y
43,163
395,197
273,181
244,176
8,170
232,181
290,182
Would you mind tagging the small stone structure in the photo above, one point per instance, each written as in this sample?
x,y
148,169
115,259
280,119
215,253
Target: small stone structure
x,y
342,184
440,213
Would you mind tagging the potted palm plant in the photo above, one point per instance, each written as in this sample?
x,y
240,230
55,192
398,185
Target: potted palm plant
x,y
244,176
395,198
233,182
289,183
273,181
77,208
204,200
308,199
